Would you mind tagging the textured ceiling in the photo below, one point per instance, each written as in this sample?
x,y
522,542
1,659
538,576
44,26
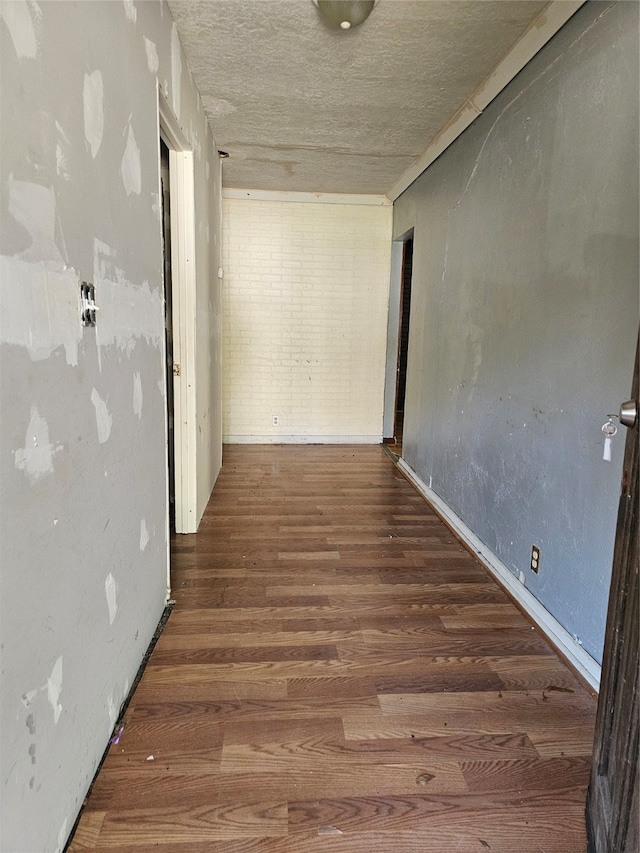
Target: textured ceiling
x,y
303,108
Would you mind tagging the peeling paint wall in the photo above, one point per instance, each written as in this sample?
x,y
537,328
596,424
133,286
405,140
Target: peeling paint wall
x,y
524,313
82,433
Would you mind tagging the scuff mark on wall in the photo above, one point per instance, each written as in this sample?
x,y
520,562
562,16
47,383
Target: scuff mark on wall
x,y
111,592
54,689
176,70
130,167
36,457
93,97
21,18
137,395
144,535
104,420
153,63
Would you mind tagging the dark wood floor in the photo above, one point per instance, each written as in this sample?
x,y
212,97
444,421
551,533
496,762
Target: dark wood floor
x,y
340,675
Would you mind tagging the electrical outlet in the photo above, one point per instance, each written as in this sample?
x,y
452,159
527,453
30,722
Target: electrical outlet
x,y
535,558
275,420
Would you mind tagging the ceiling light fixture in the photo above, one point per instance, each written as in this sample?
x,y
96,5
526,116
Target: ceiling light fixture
x,y
344,14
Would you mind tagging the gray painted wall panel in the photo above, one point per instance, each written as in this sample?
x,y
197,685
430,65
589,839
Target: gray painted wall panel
x,y
82,454
525,313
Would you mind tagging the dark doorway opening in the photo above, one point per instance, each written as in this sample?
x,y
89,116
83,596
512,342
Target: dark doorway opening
x,y
403,342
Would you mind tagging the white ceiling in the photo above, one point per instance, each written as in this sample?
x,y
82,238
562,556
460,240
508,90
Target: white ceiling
x,y
303,108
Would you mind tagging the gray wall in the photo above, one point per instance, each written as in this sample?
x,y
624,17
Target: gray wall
x,y
525,313
83,476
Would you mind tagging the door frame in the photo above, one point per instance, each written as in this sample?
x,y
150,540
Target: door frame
x,y
612,799
183,294
393,334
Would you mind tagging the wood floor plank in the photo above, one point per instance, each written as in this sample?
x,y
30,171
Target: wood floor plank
x,y
339,673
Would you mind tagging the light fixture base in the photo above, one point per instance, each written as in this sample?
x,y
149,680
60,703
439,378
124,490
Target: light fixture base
x,y
344,14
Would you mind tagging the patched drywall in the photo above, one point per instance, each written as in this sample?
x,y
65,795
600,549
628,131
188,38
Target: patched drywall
x,y
305,309
524,314
82,437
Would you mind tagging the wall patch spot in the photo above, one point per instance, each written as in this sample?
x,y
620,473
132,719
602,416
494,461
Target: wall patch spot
x,y
93,96
137,395
34,207
176,70
61,163
144,535
54,689
62,836
36,457
153,63
112,711
103,419
19,18
130,10
130,167
128,312
111,591
27,698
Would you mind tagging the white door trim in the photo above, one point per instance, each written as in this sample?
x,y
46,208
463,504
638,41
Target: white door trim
x,y
183,290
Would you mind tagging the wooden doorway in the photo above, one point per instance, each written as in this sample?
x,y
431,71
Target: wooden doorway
x,y
183,313
612,800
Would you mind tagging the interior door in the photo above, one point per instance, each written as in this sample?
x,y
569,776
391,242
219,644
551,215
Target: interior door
x,y
612,801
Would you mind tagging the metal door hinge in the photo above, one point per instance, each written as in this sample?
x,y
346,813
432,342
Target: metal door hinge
x,y
176,370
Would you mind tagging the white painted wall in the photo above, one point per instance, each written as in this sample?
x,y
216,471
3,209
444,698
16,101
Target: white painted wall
x,y
305,312
83,506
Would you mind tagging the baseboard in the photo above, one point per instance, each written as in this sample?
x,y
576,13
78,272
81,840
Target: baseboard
x,y
582,662
302,439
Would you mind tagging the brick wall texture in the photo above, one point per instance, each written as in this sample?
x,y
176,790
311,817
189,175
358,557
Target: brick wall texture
x,y
305,300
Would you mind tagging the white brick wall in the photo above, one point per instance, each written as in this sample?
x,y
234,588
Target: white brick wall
x,y
305,300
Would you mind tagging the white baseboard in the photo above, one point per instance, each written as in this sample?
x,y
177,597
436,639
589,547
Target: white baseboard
x,y
302,439
588,668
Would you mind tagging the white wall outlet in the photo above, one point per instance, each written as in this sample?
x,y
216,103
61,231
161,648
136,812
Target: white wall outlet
x,y
535,558
275,420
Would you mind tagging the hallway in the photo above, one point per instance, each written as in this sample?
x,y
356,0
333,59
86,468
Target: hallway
x,y
338,673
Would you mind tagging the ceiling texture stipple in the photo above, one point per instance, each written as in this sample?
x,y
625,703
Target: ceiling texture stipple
x,y
301,107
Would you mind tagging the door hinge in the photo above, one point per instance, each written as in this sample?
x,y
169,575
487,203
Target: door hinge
x,y
176,370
